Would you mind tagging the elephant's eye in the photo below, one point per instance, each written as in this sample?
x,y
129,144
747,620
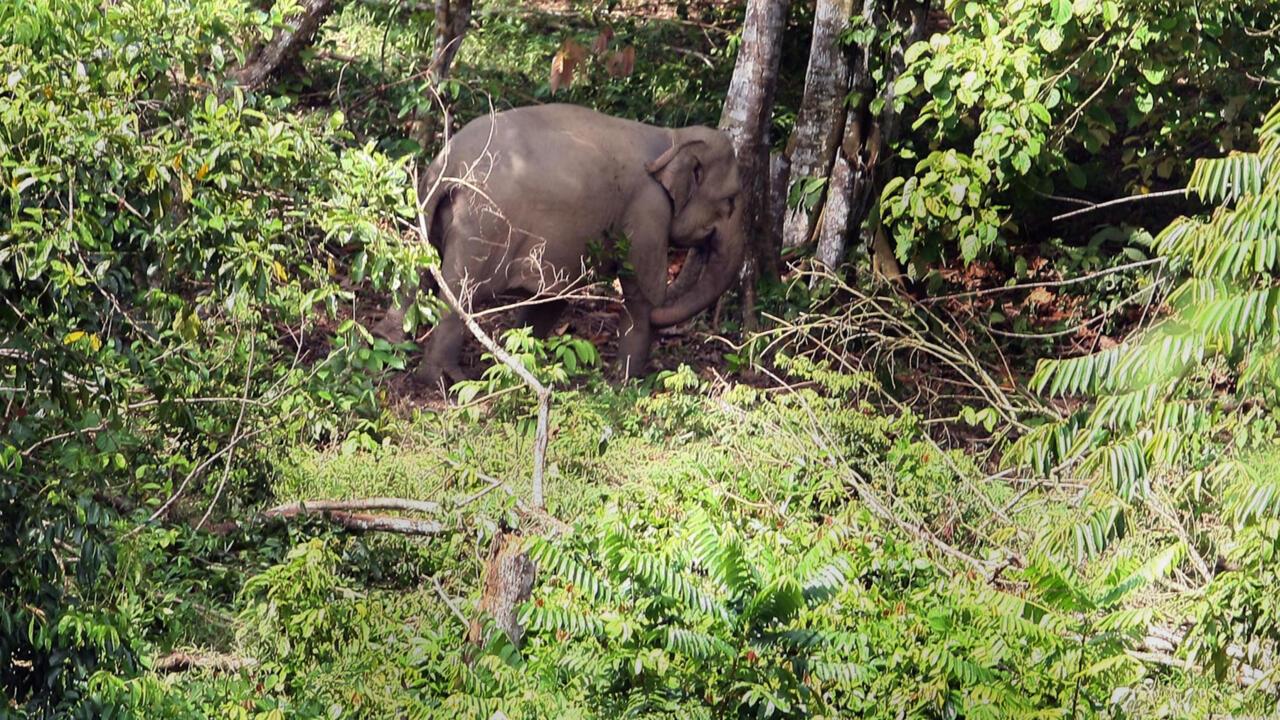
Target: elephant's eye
x,y
729,205
697,173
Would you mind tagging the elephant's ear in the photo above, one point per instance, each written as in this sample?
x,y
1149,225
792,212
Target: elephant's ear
x,y
679,170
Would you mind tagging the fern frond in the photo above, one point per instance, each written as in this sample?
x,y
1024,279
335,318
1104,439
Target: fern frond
x,y
556,562
1158,566
959,669
841,674
1045,446
826,580
1056,584
1240,318
694,644
731,569
548,618
1129,620
1250,497
1125,411
1077,375
777,602
1122,465
1218,180
842,642
1261,371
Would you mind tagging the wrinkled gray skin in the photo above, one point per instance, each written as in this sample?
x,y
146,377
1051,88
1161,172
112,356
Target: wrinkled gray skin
x,y
524,200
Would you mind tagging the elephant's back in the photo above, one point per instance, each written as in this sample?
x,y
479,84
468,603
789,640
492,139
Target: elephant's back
x,y
557,139
547,161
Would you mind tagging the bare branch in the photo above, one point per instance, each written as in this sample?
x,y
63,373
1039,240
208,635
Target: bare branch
x,y
542,392
363,522
217,662
1121,201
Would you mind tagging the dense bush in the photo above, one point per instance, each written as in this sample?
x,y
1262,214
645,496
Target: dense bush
x,y
170,256
1023,101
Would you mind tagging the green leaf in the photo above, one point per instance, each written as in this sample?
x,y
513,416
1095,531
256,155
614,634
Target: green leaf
x,y
1062,12
1041,113
1050,38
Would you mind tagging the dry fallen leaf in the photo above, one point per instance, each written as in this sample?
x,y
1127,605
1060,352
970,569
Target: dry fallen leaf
x,y
601,43
564,63
621,63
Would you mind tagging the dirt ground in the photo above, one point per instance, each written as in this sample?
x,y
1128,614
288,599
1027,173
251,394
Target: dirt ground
x,y
597,320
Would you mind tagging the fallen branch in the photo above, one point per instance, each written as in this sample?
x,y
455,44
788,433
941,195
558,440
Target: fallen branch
x,y
377,503
1121,201
362,522
542,392
1161,644
217,662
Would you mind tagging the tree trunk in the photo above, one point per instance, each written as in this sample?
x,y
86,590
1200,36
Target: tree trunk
x,y
295,34
452,19
820,124
779,172
748,110
858,168
911,18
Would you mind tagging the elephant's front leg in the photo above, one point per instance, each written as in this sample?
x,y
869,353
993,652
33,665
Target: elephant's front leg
x,y
644,282
637,332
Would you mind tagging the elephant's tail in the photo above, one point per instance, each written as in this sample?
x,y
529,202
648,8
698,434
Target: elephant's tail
x,y
434,189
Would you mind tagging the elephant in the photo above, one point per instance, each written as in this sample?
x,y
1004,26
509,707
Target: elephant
x,y
535,199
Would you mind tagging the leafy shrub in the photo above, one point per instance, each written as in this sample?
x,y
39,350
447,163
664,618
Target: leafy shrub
x,y
1025,99
171,257
1181,418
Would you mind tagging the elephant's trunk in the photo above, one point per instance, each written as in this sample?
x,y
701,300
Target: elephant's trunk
x,y
723,261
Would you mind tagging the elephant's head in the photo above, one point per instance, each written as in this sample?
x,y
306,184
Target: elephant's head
x,y
700,175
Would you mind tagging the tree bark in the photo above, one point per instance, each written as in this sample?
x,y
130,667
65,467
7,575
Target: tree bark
x,y
858,169
820,124
296,33
748,110
361,522
452,19
508,582
779,172
379,503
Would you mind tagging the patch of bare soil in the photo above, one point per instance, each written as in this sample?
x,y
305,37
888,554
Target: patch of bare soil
x,y
595,320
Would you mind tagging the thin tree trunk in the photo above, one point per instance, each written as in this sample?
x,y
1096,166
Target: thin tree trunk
x,y
911,17
779,172
296,33
820,124
746,117
850,172
452,20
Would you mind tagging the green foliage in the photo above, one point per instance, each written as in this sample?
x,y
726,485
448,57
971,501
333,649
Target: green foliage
x,y
554,361
171,251
299,613
1026,99
1165,430
713,613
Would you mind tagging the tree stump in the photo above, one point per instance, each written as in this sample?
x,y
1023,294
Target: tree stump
x,y
508,582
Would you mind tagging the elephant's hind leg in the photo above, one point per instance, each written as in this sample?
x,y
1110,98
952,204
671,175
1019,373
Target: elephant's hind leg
x,y
458,267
